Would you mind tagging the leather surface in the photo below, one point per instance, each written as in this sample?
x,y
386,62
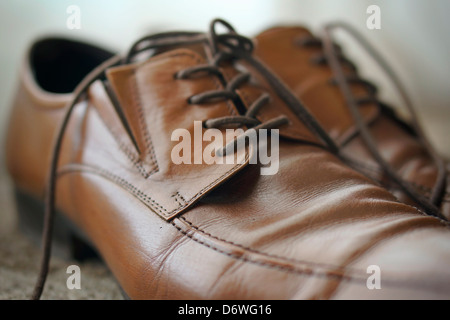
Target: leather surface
x,y
220,231
279,48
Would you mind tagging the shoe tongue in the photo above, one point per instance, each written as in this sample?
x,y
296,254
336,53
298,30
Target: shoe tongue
x,y
280,48
250,92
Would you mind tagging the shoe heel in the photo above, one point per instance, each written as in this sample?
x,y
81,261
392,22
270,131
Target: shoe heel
x,y
68,242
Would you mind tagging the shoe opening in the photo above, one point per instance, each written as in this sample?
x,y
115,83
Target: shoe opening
x,y
58,65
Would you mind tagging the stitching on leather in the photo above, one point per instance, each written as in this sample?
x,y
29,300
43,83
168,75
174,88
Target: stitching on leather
x,y
308,272
284,258
133,156
236,167
347,274
182,198
158,208
142,122
265,253
130,153
177,197
141,113
143,197
154,205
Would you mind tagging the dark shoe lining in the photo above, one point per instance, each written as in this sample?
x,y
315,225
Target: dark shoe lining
x,y
58,65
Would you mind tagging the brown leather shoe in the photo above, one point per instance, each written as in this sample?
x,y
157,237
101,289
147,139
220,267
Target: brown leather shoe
x,y
372,138
315,229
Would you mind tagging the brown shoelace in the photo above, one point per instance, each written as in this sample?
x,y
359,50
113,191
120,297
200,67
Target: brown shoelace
x,y
225,46
332,56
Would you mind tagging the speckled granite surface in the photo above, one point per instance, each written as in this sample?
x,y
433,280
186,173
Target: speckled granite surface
x,y
20,257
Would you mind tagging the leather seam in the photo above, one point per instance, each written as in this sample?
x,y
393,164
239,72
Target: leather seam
x,y
310,269
142,122
306,271
319,265
141,115
154,205
177,197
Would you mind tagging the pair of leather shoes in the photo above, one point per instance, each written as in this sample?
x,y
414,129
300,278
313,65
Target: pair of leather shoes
x,y
91,137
